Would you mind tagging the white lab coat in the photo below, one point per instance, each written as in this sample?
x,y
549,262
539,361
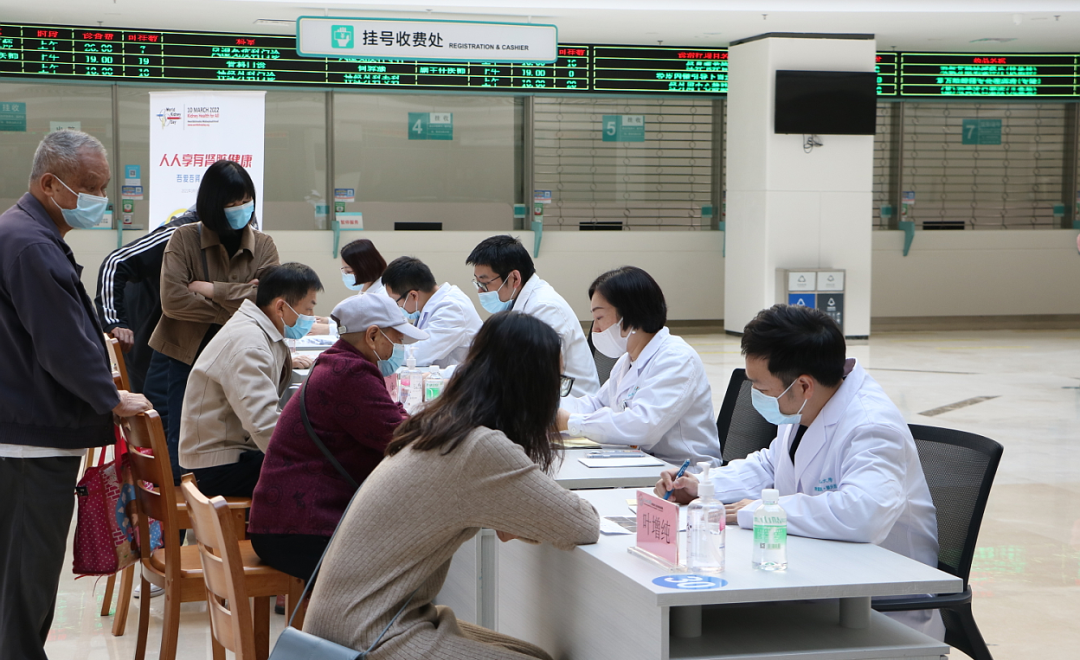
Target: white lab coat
x,y
539,299
856,477
451,319
376,287
662,403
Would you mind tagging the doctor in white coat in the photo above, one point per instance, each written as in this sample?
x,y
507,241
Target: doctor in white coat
x,y
506,279
361,270
843,459
444,312
658,396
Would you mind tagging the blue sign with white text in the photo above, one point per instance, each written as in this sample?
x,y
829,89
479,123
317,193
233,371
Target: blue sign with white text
x,y
690,582
804,299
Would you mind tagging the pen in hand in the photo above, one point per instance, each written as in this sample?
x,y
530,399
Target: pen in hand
x,y
678,474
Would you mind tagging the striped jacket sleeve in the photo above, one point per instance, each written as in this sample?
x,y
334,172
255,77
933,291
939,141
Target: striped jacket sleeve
x,y
126,264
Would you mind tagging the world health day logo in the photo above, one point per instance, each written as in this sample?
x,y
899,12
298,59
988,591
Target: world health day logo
x,y
342,36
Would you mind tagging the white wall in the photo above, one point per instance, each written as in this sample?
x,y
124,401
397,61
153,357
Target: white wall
x,y
958,273
687,265
787,208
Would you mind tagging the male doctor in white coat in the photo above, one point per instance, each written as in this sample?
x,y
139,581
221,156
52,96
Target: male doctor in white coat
x,y
843,459
444,312
506,279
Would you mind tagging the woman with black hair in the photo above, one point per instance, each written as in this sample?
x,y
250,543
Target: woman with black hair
x,y
658,396
476,457
209,268
362,267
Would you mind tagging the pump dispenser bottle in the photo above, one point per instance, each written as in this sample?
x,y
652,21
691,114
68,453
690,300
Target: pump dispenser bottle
x,y
706,520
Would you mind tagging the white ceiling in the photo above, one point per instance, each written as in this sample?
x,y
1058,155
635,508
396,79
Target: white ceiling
x,y
926,25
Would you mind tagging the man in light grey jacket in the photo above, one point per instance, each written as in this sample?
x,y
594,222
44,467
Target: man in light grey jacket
x,y
230,406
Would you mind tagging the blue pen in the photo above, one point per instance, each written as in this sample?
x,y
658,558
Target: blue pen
x,y
681,472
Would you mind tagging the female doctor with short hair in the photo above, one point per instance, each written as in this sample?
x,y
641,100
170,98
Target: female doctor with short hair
x,y
658,397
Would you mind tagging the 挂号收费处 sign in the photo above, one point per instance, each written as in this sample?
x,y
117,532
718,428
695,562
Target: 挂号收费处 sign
x,y
458,41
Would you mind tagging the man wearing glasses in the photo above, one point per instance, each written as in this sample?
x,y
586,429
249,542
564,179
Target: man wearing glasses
x,y
506,279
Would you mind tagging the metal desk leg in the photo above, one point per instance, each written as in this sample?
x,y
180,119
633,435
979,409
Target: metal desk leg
x,y
855,612
686,621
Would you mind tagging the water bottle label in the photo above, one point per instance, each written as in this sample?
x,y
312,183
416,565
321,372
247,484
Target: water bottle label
x,y
770,537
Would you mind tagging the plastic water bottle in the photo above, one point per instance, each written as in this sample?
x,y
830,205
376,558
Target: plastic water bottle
x,y
433,386
770,533
411,385
706,528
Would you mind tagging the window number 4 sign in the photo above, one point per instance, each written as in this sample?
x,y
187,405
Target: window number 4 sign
x,y
431,126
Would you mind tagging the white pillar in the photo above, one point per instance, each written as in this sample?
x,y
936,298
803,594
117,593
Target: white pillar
x,y
786,208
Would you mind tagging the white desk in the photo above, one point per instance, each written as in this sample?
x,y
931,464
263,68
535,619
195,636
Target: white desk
x,y
470,588
599,601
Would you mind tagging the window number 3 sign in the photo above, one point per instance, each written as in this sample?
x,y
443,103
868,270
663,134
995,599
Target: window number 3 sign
x,y
690,582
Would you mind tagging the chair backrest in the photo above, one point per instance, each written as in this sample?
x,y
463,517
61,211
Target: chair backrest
x,y
741,427
959,469
603,363
116,360
155,495
223,570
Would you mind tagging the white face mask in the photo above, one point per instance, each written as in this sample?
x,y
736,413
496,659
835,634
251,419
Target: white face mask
x,y
769,407
610,342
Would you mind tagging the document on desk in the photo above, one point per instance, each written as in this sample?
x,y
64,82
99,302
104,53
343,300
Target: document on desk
x,y
613,525
644,460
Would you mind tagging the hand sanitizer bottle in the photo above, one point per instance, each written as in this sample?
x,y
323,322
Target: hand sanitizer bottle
x,y
706,528
770,533
411,384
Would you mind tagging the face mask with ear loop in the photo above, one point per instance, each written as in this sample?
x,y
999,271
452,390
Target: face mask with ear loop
x,y
390,365
769,407
610,342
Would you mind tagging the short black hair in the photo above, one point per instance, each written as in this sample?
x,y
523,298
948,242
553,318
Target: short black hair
x,y
406,274
503,254
223,183
366,262
797,340
291,281
635,295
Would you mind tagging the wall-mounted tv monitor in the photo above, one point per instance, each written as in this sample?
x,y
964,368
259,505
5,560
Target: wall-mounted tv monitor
x,y
826,102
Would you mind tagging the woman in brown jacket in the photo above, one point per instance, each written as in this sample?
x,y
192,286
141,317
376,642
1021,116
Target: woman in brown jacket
x,y
210,267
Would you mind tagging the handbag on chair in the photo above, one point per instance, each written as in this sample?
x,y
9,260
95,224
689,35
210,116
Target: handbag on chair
x,y
295,644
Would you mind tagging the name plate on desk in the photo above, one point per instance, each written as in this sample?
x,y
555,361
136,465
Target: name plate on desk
x,y
658,527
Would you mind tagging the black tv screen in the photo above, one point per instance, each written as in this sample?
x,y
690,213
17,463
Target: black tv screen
x,y
826,102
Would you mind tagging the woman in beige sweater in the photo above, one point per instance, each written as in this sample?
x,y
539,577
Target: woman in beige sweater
x,y
476,457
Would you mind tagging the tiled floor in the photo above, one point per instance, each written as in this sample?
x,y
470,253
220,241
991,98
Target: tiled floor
x,y
1026,574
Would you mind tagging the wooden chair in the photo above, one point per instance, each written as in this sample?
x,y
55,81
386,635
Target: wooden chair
x,y
123,596
230,581
174,568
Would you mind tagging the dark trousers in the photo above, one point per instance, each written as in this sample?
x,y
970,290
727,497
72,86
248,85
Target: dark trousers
x,y
156,387
177,374
38,498
237,479
295,554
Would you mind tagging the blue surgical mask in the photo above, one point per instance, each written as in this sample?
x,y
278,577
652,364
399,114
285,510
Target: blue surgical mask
x,y
397,358
88,211
301,327
350,281
489,300
240,216
413,316
769,407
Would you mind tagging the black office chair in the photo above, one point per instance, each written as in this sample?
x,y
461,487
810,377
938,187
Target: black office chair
x,y
741,427
959,469
603,362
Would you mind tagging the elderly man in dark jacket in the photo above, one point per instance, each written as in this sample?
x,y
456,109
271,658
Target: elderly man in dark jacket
x,y
57,396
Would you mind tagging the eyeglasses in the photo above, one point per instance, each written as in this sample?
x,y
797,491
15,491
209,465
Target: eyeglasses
x,y
483,286
566,383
